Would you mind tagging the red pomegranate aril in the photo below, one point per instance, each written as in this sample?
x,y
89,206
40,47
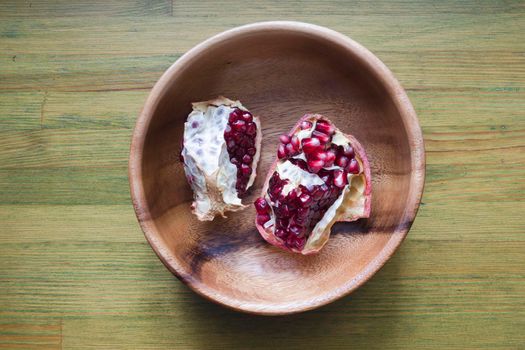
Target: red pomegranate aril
x,y
325,127
340,178
305,199
284,139
325,175
247,159
251,129
299,242
290,149
318,154
284,210
281,151
295,229
348,151
342,161
310,144
280,233
234,161
246,169
306,125
239,125
247,117
315,165
251,151
296,143
282,222
262,218
330,157
261,205
323,138
353,167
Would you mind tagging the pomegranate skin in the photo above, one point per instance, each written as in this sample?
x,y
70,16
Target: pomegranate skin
x,y
346,214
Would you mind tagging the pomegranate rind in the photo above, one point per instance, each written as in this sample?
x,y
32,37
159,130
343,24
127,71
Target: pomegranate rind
x,y
214,192
355,203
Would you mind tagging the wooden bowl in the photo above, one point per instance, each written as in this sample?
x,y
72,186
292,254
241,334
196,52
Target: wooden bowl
x,y
280,71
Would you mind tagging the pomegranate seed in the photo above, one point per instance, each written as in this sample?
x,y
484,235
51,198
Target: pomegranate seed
x,y
310,144
247,116
323,138
325,175
246,170
239,153
295,229
292,195
280,233
289,149
315,165
340,179
281,151
353,166
282,222
251,151
238,137
234,161
247,159
284,139
330,157
305,199
251,129
317,194
285,211
262,218
290,241
239,125
261,205
301,213
230,144
296,143
342,161
319,154
348,151
299,242
277,190
227,130
325,127
306,125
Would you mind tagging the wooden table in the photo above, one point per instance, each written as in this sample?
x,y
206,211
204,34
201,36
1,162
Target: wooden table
x,y
75,269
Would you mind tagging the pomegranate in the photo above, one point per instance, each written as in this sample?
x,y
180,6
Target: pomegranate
x,y
220,152
321,176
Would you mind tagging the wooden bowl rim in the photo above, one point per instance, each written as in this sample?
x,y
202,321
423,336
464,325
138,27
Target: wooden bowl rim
x,y
399,98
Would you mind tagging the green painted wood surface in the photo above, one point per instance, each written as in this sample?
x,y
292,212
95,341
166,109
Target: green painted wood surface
x,y
75,270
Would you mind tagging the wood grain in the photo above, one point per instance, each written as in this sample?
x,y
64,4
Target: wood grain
x,y
75,269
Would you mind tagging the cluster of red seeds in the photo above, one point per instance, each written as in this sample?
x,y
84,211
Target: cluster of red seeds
x,y
240,136
297,213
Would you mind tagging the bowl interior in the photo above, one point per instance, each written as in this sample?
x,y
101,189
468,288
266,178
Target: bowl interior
x,y
279,75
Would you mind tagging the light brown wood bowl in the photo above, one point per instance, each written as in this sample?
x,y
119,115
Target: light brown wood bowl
x,y
280,71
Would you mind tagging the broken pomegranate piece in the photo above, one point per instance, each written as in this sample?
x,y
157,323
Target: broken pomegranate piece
x,y
321,176
221,148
